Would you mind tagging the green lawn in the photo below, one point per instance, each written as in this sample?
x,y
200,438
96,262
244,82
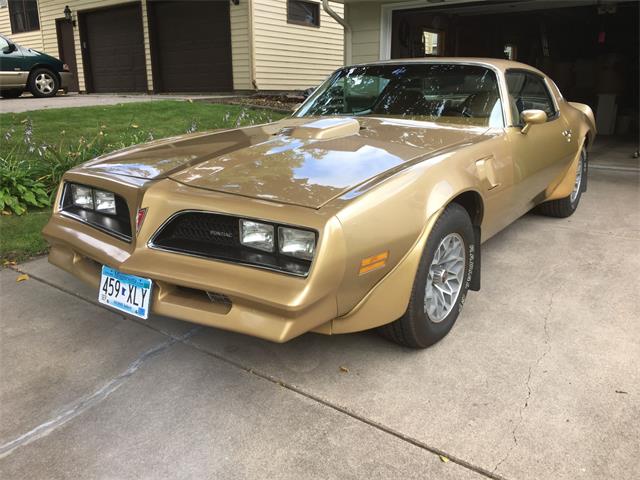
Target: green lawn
x,y
20,235
37,147
161,118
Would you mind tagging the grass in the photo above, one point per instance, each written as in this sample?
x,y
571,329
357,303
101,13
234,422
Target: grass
x,y
20,235
161,118
41,145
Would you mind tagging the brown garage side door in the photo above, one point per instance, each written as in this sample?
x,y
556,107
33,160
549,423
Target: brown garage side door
x,y
191,45
113,49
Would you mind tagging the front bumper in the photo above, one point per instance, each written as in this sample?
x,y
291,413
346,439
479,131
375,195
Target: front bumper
x,y
265,304
65,80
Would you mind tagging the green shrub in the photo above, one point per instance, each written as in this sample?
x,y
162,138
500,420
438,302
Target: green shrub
x,y
55,160
20,186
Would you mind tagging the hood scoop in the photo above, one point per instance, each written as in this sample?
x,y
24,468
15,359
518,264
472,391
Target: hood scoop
x,y
324,129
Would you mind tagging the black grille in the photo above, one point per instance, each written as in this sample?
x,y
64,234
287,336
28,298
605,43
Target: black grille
x,y
217,236
219,229
118,225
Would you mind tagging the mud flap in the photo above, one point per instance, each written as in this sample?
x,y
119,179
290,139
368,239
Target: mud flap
x,y
475,275
585,173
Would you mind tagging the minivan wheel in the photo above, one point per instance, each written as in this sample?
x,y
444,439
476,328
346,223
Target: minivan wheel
x,y
43,83
441,283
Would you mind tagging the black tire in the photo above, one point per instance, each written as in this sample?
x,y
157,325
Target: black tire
x,y
43,90
415,328
564,207
11,93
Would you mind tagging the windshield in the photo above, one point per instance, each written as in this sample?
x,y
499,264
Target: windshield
x,y
449,93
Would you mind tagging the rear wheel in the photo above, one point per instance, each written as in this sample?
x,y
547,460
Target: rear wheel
x,y
441,283
43,83
564,207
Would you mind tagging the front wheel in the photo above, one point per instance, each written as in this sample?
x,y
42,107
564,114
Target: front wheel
x,y
564,207
441,283
43,83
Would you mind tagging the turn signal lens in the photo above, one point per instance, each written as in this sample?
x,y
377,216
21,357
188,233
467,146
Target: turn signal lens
x,y
82,196
256,235
374,262
297,243
105,202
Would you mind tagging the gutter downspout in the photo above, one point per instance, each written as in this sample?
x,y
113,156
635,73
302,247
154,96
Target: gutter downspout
x,y
345,26
252,58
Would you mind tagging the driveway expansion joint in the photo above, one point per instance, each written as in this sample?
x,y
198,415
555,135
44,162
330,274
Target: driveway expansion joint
x,y
354,415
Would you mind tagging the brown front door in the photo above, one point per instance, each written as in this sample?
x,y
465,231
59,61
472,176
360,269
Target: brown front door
x,y
191,46
67,49
113,49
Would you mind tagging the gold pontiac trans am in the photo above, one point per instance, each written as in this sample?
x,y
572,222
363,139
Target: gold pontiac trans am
x,y
366,208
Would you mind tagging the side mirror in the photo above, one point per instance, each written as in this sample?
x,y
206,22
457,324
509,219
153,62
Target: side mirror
x,y
532,117
10,48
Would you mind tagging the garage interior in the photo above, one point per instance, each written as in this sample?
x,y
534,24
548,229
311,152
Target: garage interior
x,y
589,48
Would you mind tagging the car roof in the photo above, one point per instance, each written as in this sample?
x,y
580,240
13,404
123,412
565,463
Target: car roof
x,y
496,63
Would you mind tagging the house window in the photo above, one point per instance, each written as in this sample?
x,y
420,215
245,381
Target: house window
x,y
510,51
302,12
24,15
433,41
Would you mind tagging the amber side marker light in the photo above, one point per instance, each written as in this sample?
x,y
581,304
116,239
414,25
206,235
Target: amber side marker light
x,y
374,262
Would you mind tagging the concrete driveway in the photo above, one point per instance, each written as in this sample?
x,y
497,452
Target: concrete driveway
x,y
539,379
27,102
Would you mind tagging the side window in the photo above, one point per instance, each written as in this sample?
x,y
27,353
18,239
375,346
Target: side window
x,y
528,91
3,43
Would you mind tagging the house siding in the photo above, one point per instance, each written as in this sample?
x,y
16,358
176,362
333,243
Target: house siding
x,y
28,39
289,56
241,45
364,19
267,52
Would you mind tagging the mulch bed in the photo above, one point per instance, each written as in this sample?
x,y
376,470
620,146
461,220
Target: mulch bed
x,y
279,103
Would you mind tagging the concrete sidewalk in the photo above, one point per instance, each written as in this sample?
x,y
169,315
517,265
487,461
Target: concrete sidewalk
x,y
27,102
539,378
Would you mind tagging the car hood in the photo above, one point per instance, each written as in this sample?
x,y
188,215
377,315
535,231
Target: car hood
x,y
32,54
305,162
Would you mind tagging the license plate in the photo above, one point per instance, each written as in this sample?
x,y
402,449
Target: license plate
x,y
125,292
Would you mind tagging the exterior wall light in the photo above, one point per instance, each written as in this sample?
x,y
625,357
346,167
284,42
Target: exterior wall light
x,y
68,16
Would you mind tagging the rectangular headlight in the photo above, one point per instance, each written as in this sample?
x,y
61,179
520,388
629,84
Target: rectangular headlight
x,y
82,196
105,202
256,235
296,243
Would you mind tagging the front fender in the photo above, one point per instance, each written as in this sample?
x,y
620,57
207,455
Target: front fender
x,y
394,219
389,298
